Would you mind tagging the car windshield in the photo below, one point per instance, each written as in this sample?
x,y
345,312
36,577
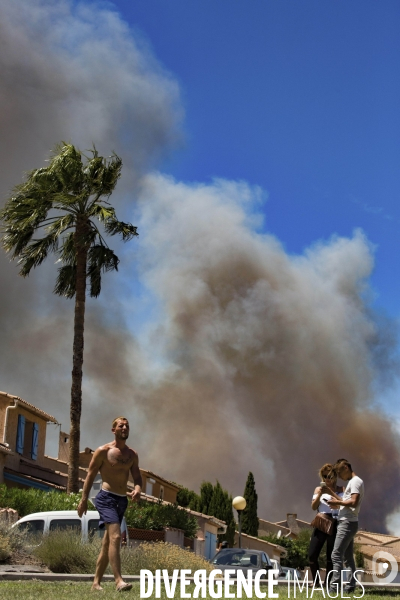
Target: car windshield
x,y
236,558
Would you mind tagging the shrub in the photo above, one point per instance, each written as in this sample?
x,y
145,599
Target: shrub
x,y
29,501
5,548
145,515
160,555
297,549
11,540
65,552
188,499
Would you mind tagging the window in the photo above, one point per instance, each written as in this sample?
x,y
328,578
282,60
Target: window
x,y
27,438
34,526
161,492
149,486
62,524
94,530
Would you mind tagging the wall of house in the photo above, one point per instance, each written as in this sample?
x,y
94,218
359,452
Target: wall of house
x,y
62,466
204,526
3,458
157,488
63,446
12,427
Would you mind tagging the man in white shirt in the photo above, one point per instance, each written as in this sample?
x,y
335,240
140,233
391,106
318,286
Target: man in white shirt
x,y
349,508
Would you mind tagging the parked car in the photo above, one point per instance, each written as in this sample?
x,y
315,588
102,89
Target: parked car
x,y
289,573
42,522
276,566
242,560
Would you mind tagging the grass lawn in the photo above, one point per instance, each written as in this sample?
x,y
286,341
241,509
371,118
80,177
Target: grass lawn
x,y
31,590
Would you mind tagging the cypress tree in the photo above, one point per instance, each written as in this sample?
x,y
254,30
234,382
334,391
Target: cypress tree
x,y
216,501
217,504
229,519
249,515
206,494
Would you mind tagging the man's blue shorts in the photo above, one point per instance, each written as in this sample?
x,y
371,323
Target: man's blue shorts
x,y
110,507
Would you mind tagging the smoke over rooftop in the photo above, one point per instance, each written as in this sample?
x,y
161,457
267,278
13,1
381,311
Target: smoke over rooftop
x,y
226,353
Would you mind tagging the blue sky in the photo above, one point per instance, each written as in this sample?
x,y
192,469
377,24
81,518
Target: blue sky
x,y
300,98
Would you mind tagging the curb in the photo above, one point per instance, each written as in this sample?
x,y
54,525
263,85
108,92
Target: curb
x,y
24,576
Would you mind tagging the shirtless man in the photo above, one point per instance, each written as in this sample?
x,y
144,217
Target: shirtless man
x,y
115,461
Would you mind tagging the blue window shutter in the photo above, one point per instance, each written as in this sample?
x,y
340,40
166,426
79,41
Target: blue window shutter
x,y
20,434
35,440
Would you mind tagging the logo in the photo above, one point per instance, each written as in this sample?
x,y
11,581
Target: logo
x,y
384,567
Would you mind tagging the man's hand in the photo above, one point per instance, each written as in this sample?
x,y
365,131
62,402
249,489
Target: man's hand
x,y
135,495
333,503
82,507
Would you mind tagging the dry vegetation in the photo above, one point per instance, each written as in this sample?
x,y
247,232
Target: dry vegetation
x,y
64,552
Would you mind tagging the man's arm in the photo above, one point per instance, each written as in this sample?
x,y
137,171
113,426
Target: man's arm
x,y
351,502
137,479
94,467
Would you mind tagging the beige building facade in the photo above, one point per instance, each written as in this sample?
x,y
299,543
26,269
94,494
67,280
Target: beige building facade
x,y
23,462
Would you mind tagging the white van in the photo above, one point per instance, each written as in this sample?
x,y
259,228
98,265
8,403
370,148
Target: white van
x,y
88,525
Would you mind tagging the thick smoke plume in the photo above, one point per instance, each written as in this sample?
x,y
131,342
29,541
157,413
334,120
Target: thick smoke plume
x,y
256,360
229,355
69,71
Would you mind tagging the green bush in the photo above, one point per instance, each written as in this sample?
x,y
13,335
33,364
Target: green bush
x,y
28,501
297,549
63,551
359,556
145,515
188,499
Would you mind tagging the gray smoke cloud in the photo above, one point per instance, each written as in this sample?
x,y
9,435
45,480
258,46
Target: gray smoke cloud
x,y
75,72
264,361
226,353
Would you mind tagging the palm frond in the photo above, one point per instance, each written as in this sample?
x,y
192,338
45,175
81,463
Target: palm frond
x,y
100,259
16,239
61,224
111,174
67,251
126,230
67,168
66,281
101,212
35,253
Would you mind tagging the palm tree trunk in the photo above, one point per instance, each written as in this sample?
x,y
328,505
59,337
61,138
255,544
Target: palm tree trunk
x,y
77,361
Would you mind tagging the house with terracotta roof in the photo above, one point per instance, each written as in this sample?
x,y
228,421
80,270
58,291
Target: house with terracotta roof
x,y
266,528
23,462
370,543
294,524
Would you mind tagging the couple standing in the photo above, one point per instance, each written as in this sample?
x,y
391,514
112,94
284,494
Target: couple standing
x,y
341,505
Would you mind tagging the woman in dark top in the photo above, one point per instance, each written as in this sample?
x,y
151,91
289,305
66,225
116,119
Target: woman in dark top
x,y
328,476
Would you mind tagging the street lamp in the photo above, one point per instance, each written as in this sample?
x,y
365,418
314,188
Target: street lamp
x,y
239,504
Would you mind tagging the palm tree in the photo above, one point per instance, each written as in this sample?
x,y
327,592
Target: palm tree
x,y
61,203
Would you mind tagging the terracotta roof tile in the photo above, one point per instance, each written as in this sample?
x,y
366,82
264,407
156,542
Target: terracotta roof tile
x,y
31,407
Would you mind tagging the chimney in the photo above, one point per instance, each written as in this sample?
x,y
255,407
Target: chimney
x,y
291,519
63,446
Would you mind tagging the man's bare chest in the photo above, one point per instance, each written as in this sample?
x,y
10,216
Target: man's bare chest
x,y
119,460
